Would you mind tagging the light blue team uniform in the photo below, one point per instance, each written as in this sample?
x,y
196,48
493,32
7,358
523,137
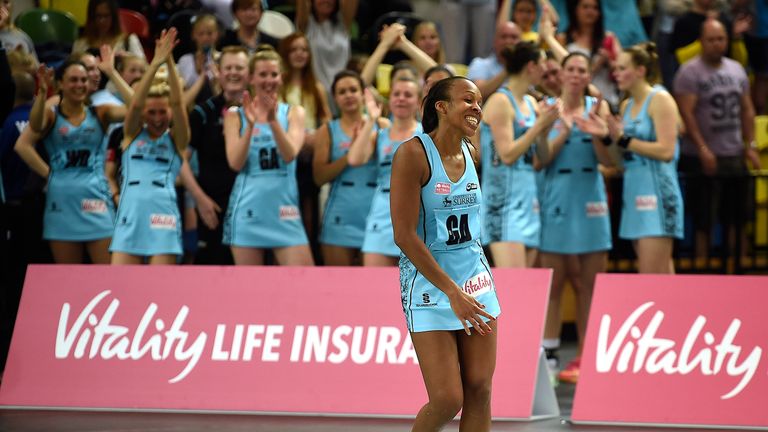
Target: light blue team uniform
x,y
263,209
379,237
349,200
510,210
652,205
78,205
148,218
574,207
450,226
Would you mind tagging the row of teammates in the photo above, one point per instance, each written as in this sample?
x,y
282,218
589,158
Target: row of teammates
x,y
256,148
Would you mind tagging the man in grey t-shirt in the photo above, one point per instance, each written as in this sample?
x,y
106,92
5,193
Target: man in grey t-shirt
x,y
713,94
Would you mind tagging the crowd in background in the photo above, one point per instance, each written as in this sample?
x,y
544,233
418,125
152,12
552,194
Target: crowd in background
x,y
220,143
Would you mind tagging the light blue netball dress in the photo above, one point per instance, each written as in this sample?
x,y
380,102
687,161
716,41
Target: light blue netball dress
x,y
263,209
450,226
148,218
652,205
574,207
78,205
349,200
379,237
510,210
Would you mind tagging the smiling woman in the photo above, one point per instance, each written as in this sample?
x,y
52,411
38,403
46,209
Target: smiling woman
x,y
79,213
447,290
262,140
156,135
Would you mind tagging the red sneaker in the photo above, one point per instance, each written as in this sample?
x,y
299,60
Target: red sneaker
x,y
571,372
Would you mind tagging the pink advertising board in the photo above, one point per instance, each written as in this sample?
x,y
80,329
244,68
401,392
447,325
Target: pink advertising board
x,y
676,350
255,339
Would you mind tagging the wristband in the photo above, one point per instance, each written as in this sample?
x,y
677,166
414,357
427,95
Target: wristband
x,y
606,140
623,141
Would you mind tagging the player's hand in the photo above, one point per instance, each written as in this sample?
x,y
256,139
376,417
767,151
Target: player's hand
x,y
209,212
470,312
708,161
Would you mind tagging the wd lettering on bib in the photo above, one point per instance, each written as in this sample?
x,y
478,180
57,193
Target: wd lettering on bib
x,y
478,284
646,203
93,206
162,221
77,158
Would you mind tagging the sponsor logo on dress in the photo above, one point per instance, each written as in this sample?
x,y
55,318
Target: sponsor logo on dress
x,y
289,213
471,186
345,145
460,200
140,143
442,188
597,209
425,302
63,130
478,284
646,203
93,206
162,221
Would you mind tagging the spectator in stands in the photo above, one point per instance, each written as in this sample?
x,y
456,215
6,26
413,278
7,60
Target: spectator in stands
x,y
523,13
393,37
22,61
623,20
262,140
551,83
195,68
715,102
102,27
156,134
12,38
248,14
586,34
488,72
379,247
466,24
123,72
427,39
435,74
353,188
302,88
212,187
327,24
79,213
757,46
685,35
512,123
620,18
